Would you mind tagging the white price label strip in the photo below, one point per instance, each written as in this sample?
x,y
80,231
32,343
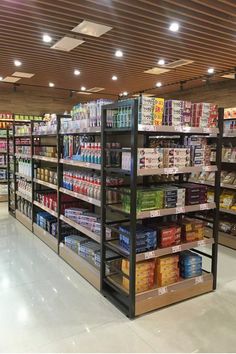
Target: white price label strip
x,y
207,168
176,249
206,130
150,254
155,213
163,290
180,210
199,280
204,206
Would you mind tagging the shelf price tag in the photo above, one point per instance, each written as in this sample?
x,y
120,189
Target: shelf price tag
x,y
201,243
149,255
163,290
180,210
176,249
204,206
199,280
155,213
206,130
207,168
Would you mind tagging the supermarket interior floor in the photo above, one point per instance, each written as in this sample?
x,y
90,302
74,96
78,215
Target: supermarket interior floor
x,y
45,306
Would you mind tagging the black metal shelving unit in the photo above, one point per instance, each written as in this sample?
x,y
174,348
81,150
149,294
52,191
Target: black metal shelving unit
x,y
7,122
128,301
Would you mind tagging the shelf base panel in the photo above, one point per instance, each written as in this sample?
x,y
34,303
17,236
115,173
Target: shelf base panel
x,y
46,237
90,273
24,220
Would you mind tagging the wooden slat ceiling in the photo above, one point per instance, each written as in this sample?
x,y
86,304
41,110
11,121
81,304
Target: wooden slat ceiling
x,y
207,35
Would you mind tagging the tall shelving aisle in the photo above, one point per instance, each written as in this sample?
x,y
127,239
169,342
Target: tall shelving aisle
x,y
155,201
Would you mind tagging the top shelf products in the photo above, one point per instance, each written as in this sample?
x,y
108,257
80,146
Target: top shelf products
x,y
158,112
48,126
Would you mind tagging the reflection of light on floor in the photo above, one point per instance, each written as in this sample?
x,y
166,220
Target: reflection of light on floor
x,y
22,314
5,283
55,290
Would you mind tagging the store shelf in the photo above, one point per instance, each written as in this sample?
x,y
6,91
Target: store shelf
x,y
22,156
81,197
224,238
50,211
177,129
174,170
3,180
160,297
46,184
27,222
3,166
45,158
22,136
3,151
229,135
80,228
89,130
3,198
26,197
43,135
80,164
212,184
228,211
46,237
84,268
167,211
28,178
114,245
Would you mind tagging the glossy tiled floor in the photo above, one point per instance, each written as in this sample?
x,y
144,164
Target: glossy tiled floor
x,y
47,307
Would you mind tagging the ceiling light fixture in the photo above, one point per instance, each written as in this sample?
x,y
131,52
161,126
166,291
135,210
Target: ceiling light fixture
x,y
161,62
51,84
114,78
1,78
76,72
47,38
125,93
174,27
210,70
17,63
83,88
119,53
158,84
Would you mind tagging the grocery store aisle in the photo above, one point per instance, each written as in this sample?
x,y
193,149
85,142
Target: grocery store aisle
x,y
45,306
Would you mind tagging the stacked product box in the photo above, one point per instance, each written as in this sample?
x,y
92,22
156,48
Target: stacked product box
x,y
177,113
24,207
168,234
47,222
73,241
173,196
177,157
25,187
147,158
200,151
146,238
190,264
204,115
158,111
146,108
87,249
145,275
194,194
167,270
47,151
192,229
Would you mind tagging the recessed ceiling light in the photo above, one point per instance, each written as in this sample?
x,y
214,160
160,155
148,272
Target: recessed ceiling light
x,y
11,79
47,38
91,29
210,70
158,84
125,93
96,89
119,53
161,62
83,88
174,27
76,72
1,78
17,62
51,84
114,78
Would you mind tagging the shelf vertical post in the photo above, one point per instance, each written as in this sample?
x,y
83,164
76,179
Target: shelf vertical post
x,y
216,213
59,180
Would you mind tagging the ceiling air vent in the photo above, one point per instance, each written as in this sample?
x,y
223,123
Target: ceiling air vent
x,y
177,63
66,44
11,79
156,71
95,89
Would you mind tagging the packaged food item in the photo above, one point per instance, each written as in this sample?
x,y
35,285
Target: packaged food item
x,y
146,238
145,274
190,264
